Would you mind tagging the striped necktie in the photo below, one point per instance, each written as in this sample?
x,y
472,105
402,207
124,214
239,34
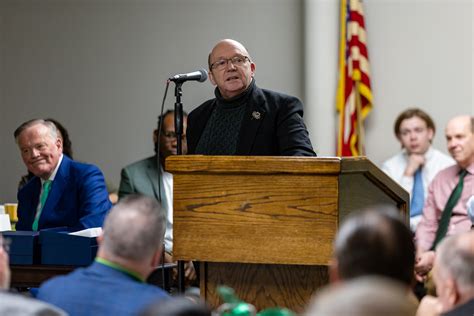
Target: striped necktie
x,y
448,209
43,198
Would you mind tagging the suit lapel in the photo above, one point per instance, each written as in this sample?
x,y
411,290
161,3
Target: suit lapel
x,y
30,197
253,118
57,188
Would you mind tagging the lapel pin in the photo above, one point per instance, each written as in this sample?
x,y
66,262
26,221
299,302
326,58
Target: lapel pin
x,y
256,115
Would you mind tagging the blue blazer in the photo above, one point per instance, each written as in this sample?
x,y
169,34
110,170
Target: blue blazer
x,y
78,199
99,290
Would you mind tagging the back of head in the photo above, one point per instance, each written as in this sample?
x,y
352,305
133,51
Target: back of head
x,y
455,258
134,229
365,296
178,306
375,241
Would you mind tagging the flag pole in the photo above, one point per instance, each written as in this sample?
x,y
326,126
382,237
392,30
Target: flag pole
x,y
359,127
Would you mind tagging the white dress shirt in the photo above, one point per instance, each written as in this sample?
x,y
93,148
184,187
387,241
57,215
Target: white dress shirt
x,y
167,204
435,161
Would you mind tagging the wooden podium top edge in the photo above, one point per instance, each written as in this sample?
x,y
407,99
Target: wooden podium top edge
x,y
264,164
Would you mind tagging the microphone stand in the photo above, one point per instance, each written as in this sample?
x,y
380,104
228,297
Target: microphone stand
x,y
178,127
178,118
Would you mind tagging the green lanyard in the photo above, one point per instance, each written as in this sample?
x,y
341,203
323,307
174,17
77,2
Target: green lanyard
x,y
115,266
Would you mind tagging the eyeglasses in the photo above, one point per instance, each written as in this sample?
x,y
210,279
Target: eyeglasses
x,y
236,61
172,135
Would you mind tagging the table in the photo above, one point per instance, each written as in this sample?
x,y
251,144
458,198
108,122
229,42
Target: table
x,y
26,276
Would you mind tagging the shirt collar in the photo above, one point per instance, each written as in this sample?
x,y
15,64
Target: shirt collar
x,y
134,275
55,171
470,168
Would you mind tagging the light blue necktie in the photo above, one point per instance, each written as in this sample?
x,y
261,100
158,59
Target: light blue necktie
x,y
417,195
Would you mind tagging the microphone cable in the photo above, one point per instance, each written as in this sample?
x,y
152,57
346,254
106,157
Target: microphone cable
x,y
158,141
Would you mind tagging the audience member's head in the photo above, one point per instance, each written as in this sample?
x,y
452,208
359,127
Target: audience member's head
x,y
453,270
133,234
364,296
230,68
64,134
415,130
374,241
40,146
168,140
4,266
178,306
460,139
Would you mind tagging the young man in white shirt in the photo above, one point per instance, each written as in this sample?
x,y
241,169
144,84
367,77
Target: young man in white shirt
x,y
418,161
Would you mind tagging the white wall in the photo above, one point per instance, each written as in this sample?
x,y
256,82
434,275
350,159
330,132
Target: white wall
x,y
99,66
421,54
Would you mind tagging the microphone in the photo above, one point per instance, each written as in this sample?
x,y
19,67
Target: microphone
x,y
199,75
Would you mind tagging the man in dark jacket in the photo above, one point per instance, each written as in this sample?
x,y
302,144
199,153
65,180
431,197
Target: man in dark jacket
x,y
244,119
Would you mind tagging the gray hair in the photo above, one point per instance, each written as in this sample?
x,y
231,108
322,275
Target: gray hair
x,y
135,228
455,256
363,296
50,125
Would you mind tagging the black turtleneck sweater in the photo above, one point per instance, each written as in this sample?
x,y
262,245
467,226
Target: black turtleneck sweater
x,y
221,133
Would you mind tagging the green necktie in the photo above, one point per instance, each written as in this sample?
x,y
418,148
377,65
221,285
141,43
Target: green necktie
x,y
43,197
448,209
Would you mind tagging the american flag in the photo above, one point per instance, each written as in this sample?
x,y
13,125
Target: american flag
x,y
354,95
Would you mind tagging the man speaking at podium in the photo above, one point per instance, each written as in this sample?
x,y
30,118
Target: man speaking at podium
x,y
243,119
63,192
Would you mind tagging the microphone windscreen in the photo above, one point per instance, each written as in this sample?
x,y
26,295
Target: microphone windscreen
x,y
203,75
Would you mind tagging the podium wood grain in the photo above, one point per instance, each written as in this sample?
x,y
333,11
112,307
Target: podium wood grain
x,y
265,225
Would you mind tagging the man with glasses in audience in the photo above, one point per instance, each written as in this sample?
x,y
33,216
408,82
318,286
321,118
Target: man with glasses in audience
x,y
148,177
243,119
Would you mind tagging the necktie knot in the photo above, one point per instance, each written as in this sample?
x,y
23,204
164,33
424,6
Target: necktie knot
x,y
47,185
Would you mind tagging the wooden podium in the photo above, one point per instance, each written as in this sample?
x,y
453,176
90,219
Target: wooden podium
x,y
265,225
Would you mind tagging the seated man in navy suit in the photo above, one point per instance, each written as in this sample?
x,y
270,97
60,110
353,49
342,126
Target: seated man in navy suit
x,y
63,192
129,250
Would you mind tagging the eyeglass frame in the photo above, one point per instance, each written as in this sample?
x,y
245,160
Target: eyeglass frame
x,y
172,135
245,59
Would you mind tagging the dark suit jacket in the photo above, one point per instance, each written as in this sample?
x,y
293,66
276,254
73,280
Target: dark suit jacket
x,y
272,126
78,199
462,310
99,290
